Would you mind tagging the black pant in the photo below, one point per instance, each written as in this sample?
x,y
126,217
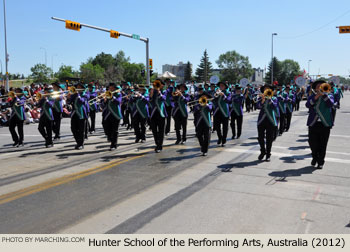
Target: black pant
x,y
289,118
139,126
203,135
318,139
77,126
239,119
14,121
297,105
126,119
56,126
265,128
168,119
111,127
334,112
248,104
123,109
219,119
45,129
93,119
180,122
282,122
158,127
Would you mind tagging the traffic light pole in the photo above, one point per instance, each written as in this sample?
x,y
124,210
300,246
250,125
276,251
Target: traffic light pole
x,y
146,40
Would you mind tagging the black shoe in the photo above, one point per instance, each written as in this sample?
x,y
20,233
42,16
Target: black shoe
x,y
204,154
112,148
183,141
219,141
157,151
222,145
268,157
86,138
233,137
143,140
177,142
280,134
15,145
261,156
313,162
137,140
49,145
238,137
319,166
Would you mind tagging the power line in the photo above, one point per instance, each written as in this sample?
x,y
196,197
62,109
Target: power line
x,y
317,29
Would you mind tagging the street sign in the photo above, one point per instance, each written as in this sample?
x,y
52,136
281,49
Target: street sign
x,y
300,81
214,79
344,29
135,36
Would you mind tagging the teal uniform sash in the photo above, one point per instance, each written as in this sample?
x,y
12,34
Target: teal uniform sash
x,y
323,112
141,108
223,106
270,113
114,109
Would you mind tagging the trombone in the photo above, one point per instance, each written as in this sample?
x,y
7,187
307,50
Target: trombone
x,y
203,101
11,94
107,94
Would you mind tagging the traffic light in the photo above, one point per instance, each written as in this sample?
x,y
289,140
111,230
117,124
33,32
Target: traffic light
x,y
150,64
73,25
150,72
143,73
114,34
344,29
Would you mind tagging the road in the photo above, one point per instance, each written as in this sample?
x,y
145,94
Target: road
x,y
134,190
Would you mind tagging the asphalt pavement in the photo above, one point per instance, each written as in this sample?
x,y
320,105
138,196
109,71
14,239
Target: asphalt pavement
x,y
135,190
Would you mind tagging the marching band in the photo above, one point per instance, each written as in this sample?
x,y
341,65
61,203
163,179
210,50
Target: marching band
x,y
140,105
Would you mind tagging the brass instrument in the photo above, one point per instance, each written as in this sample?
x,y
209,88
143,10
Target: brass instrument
x,y
217,93
268,93
157,85
203,101
325,88
74,90
176,93
11,94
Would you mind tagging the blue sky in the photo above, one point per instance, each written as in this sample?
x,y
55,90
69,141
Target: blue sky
x,y
178,31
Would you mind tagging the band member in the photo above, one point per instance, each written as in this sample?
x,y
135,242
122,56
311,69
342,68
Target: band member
x,y
57,111
282,109
86,96
266,121
92,107
46,117
170,88
298,98
123,106
179,112
248,98
78,115
113,114
17,117
140,113
336,96
158,113
289,100
320,122
202,120
128,110
221,112
237,112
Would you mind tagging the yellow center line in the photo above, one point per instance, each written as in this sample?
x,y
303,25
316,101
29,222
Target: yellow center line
x,y
59,181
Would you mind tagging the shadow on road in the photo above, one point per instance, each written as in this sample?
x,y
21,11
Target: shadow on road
x,y
295,158
292,173
298,147
228,167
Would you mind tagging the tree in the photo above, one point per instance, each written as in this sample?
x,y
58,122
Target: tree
x,y
64,72
90,72
204,68
104,60
132,72
289,70
234,67
188,72
276,71
40,73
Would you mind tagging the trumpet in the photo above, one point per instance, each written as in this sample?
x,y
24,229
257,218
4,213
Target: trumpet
x,y
176,93
217,93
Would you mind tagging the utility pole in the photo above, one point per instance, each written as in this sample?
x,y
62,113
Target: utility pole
x,y
6,55
273,34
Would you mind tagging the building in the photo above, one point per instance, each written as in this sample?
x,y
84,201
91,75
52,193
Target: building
x,y
257,77
178,70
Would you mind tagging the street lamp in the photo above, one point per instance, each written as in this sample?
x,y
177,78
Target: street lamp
x,y
45,55
273,34
52,64
308,67
6,55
